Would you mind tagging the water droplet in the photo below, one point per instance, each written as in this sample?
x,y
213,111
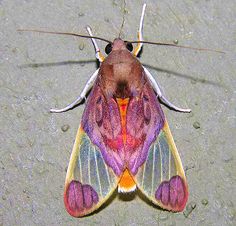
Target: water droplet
x,y
204,202
65,127
176,41
196,125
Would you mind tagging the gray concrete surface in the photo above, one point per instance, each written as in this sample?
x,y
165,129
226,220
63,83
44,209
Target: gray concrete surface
x,y
39,71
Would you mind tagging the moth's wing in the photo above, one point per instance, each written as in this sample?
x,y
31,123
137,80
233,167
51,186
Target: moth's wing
x,y
102,123
90,181
161,176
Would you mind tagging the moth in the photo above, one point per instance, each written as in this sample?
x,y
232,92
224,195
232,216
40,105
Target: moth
x,y
124,142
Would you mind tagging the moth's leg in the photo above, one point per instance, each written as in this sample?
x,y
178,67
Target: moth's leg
x,y
98,53
81,96
140,32
160,95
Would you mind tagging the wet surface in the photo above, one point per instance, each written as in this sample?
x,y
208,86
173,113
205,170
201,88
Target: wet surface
x,y
40,71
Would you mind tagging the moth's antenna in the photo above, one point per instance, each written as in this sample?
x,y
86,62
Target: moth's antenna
x,y
123,18
65,33
178,46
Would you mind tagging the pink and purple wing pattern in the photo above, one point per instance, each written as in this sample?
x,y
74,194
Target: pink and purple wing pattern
x,y
90,181
157,167
103,150
161,178
101,122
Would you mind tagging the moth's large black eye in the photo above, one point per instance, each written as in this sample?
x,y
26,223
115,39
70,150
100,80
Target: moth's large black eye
x,y
108,48
129,46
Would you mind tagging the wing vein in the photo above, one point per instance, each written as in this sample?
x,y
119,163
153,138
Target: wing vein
x,y
169,162
153,167
144,169
108,176
160,159
80,170
89,176
96,163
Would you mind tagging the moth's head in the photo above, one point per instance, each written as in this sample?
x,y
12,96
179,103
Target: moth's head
x,y
118,44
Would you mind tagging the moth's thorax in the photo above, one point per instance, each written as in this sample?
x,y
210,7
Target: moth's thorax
x,y
121,74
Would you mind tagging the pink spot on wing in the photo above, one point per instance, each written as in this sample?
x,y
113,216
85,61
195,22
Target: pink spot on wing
x,y
88,198
75,196
79,198
165,193
172,194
